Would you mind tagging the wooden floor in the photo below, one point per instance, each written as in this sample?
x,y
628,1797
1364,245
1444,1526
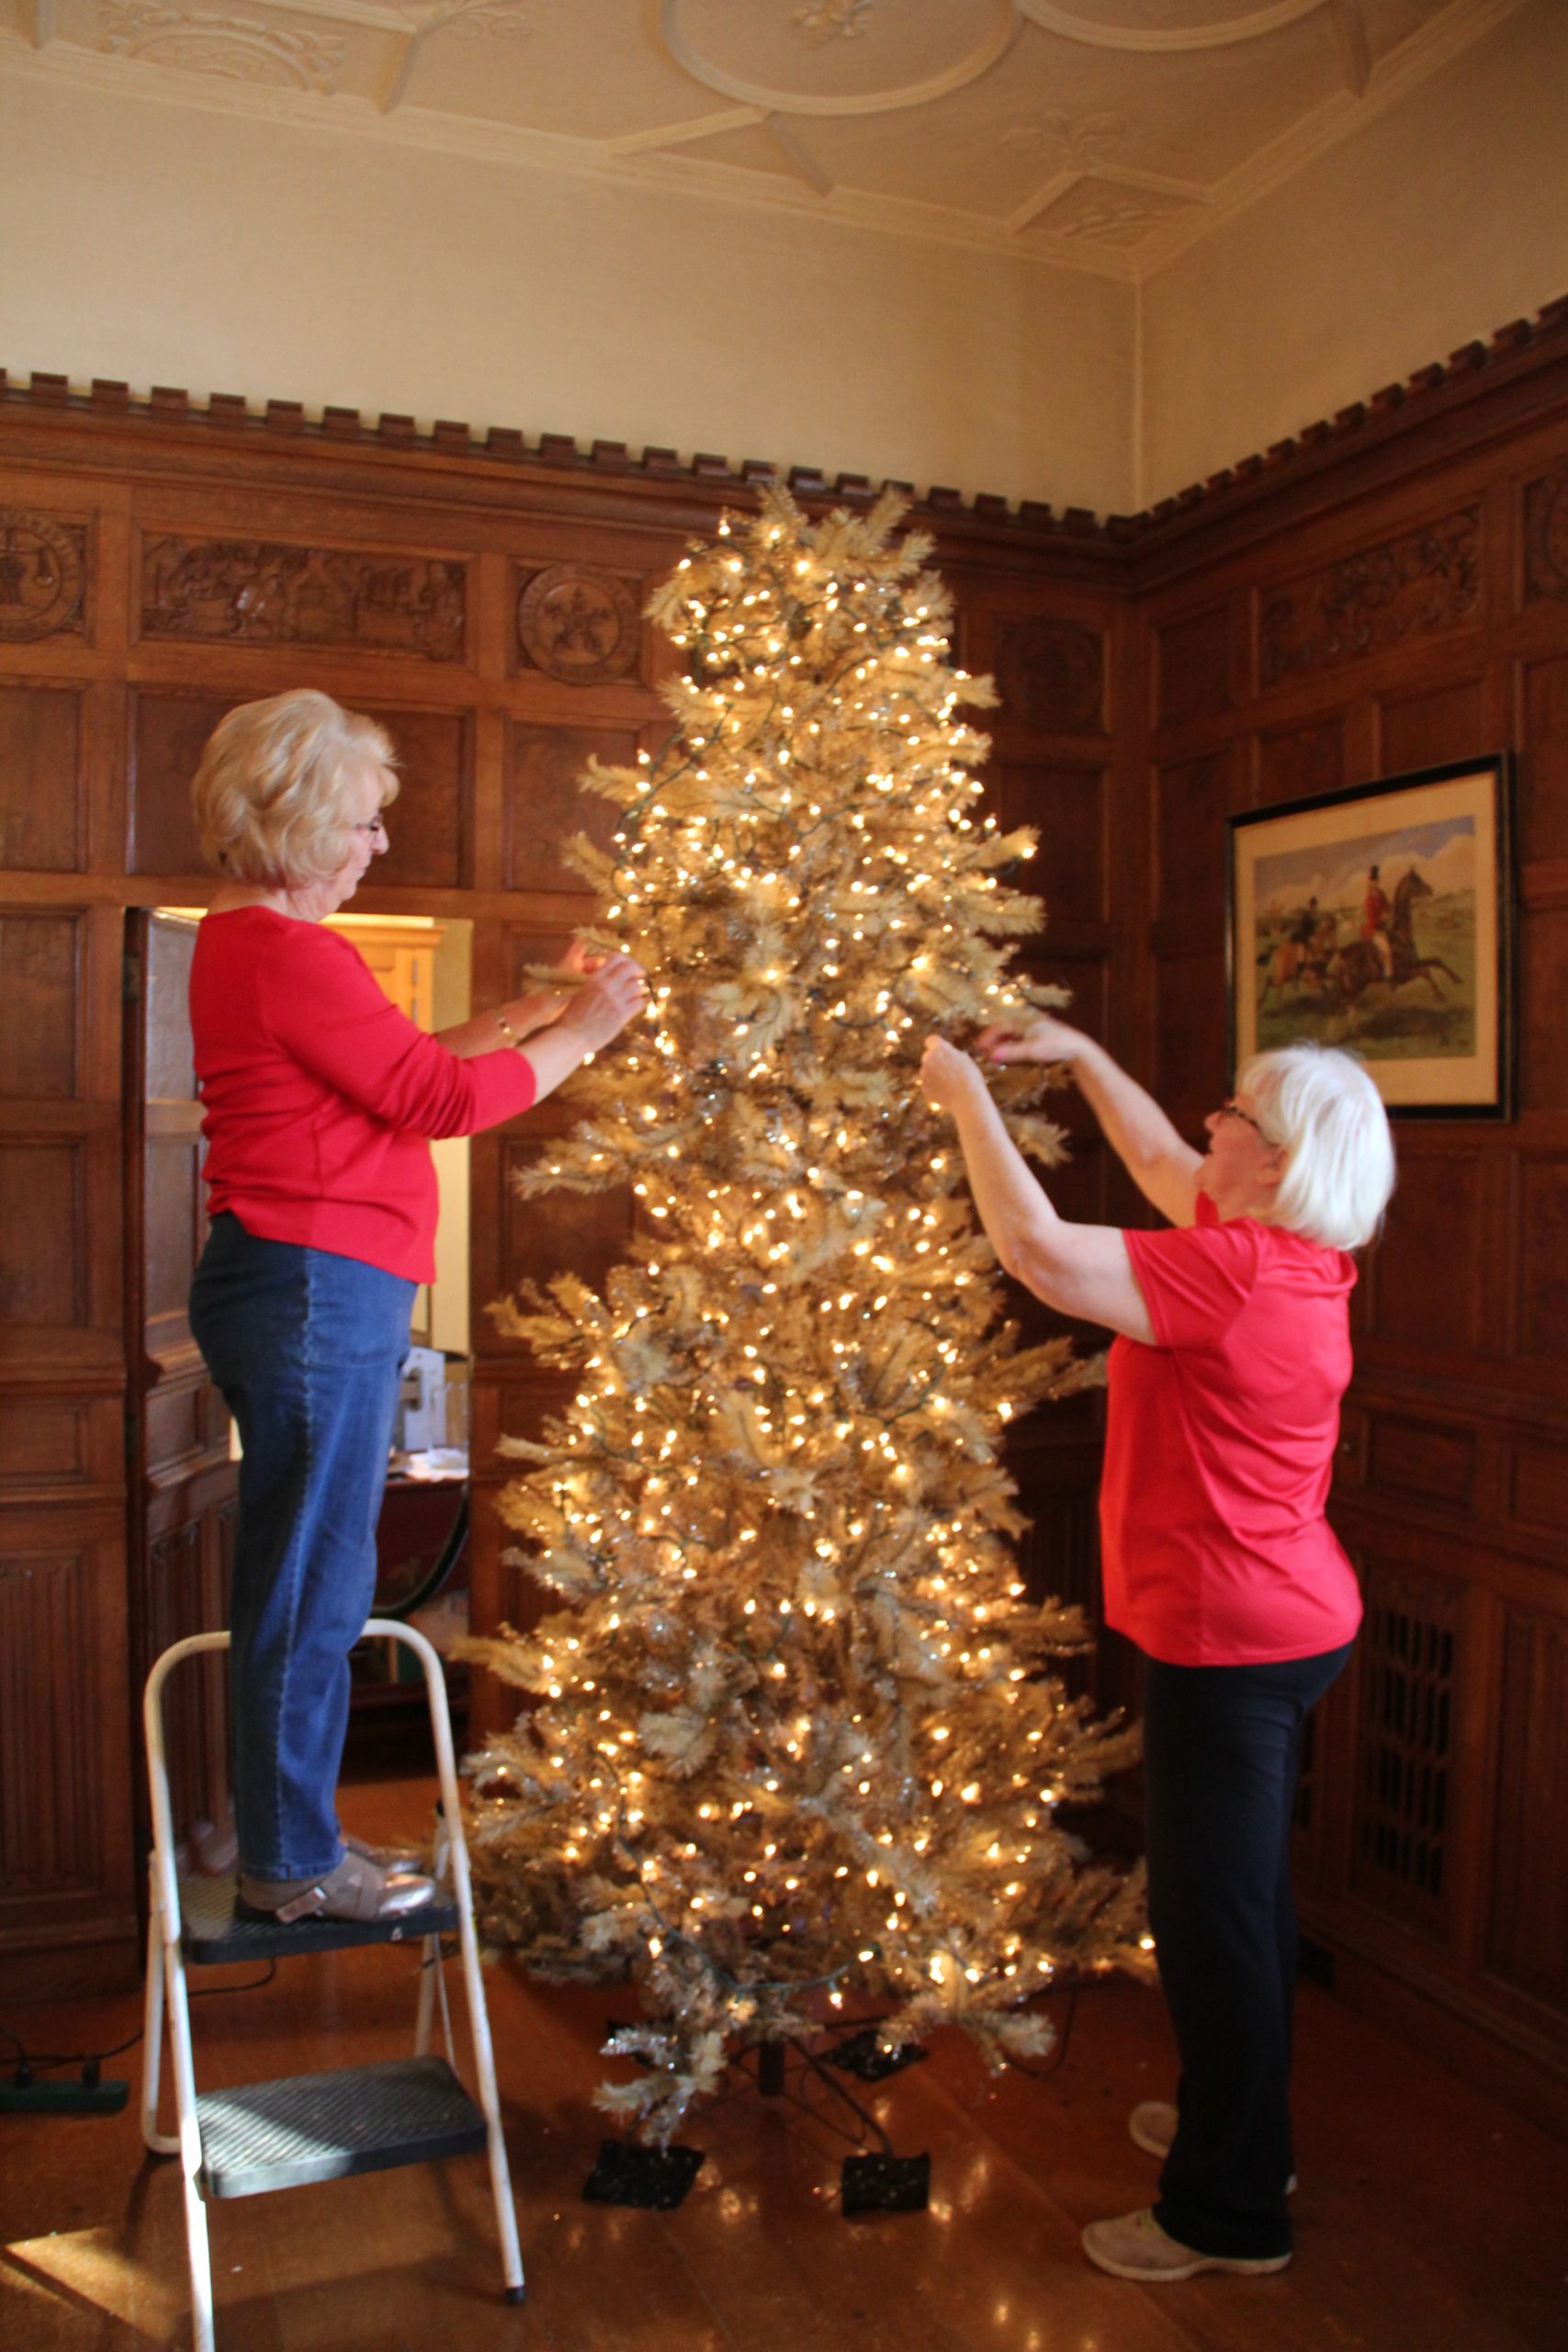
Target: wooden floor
x,y
1429,2219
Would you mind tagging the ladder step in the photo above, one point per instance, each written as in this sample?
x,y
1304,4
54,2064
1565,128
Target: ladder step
x,y
303,2128
211,1935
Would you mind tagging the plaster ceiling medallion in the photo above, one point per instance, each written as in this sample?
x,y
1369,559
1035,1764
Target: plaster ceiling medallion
x,y
1061,139
829,58
236,48
833,20
1146,26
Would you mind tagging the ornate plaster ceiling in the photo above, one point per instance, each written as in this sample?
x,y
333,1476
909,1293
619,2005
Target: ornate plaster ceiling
x,y
1105,134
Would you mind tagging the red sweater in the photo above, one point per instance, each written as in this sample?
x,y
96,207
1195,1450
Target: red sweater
x,y
1219,1447
319,1094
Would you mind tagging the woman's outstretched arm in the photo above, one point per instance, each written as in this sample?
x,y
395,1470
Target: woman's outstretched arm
x,y
1082,1270
1162,1166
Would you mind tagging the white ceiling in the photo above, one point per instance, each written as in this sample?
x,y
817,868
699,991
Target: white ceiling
x,y
1103,134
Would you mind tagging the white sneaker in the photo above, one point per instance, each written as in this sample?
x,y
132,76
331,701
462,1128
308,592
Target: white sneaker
x,y
1134,2246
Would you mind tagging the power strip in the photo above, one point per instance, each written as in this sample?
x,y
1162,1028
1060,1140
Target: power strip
x,y
62,2099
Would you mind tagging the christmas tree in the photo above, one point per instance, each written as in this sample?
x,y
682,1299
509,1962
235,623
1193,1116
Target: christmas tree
x,y
798,1750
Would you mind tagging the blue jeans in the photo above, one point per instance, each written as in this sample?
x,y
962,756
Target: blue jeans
x,y
1221,1745
307,1348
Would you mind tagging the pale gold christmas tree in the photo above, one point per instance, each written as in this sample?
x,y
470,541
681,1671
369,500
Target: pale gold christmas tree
x,y
798,1753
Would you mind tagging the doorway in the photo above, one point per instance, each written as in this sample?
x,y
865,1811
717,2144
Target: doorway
x,y
180,1445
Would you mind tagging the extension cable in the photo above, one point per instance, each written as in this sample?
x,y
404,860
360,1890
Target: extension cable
x,y
25,2095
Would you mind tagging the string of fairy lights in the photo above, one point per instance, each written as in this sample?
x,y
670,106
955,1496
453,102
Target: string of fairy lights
x,y
797,1744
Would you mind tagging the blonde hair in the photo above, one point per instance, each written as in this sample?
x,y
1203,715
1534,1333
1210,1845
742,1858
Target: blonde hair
x,y
1321,1108
272,794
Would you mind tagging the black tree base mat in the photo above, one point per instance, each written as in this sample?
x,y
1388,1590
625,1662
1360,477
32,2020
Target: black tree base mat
x,y
867,2057
654,2178
886,2185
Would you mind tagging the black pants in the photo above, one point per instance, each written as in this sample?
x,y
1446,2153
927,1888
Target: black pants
x,y
1221,1746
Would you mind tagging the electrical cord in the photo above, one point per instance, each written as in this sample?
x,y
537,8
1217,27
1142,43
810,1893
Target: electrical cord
x,y
29,2063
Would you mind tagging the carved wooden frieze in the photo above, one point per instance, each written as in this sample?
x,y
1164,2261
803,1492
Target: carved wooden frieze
x,y
1051,673
1546,536
1417,585
251,592
580,625
43,576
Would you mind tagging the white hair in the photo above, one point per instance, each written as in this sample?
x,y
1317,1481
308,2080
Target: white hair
x,y
1321,1108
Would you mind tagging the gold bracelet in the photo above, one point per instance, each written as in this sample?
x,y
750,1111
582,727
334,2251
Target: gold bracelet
x,y
509,1032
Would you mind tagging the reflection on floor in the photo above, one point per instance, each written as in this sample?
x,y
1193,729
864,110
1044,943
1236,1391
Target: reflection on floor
x,y
1429,2219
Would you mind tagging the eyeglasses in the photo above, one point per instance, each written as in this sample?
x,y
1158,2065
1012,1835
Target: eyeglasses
x,y
373,825
1233,1110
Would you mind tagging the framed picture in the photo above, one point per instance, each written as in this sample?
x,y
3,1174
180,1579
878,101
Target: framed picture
x,y
1379,918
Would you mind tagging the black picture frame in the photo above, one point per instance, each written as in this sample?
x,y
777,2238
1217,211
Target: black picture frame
x,y
1426,995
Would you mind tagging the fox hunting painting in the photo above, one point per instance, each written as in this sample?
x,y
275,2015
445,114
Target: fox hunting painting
x,y
1378,918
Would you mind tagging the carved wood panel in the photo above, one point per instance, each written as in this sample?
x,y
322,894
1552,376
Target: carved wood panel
x,y
44,576
580,623
64,1783
264,592
1050,673
1546,534
1412,586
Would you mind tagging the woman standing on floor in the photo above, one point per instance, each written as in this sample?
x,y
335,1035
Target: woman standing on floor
x,y
1233,1351
319,1098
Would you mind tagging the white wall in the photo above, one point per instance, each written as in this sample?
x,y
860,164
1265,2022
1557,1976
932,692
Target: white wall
x,y
172,244
1445,217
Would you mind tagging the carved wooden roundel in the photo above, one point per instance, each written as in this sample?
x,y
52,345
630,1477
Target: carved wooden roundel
x,y
43,572
1546,511
1051,673
580,626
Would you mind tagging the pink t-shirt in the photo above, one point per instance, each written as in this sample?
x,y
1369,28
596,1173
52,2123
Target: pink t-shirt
x,y
1220,1445
319,1094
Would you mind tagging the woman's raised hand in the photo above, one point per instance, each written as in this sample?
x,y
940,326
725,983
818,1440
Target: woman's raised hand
x,y
1039,1038
615,991
945,1074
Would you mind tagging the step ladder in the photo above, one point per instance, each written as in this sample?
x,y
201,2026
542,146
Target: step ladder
x,y
293,2131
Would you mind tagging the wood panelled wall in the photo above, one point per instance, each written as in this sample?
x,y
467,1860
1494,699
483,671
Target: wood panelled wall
x,y
151,575
1391,594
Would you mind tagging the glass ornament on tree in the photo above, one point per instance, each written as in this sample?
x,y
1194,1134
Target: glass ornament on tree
x,y
798,1747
